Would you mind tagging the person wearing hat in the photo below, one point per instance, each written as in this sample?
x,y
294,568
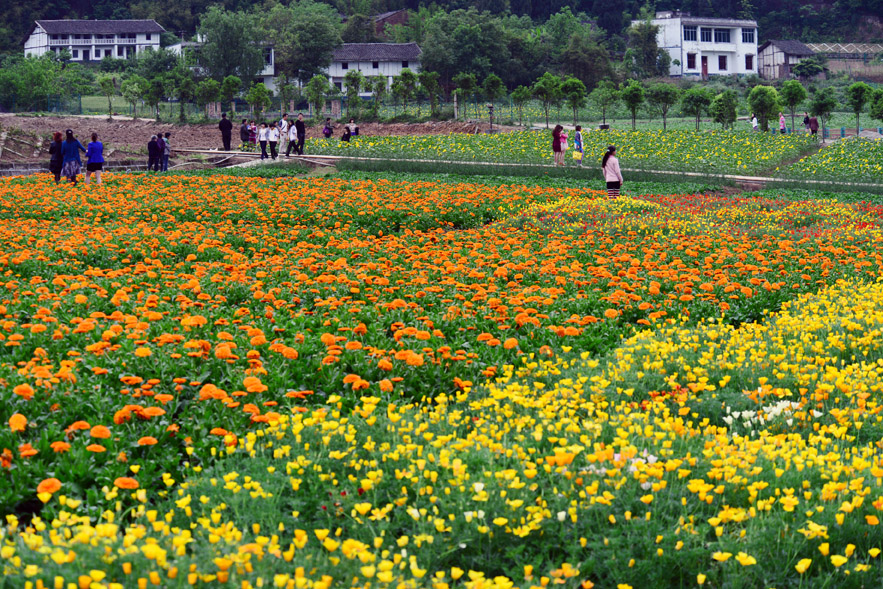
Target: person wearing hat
x,y
612,173
226,128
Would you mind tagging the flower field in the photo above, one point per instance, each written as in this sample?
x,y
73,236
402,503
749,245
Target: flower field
x,y
316,382
707,151
850,160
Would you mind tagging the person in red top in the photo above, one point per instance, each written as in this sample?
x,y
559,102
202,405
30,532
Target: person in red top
x,y
612,173
557,152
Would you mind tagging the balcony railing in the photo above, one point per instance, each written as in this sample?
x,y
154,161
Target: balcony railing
x,y
92,42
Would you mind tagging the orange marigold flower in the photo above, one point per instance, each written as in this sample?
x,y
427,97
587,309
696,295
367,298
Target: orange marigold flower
x,y
97,448
148,412
125,483
219,431
26,451
611,313
147,441
99,431
48,486
143,352
510,343
24,390
60,447
122,416
254,385
18,422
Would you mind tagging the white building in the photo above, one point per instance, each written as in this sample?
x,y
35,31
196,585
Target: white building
x,y
705,47
93,40
373,59
266,75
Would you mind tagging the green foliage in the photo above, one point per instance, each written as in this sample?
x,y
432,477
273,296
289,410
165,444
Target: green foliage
x,y
151,63
574,93
29,81
406,82
547,90
429,86
230,86
661,97
823,104
764,102
857,96
107,86
808,68
520,96
207,91
695,101
156,92
353,82
723,108
304,34
466,84
232,44
359,28
258,97
647,58
317,91
493,87
792,94
379,89
876,105
587,59
605,96
134,89
183,88
632,95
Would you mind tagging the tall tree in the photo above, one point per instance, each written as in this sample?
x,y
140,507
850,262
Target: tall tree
x,y
662,97
764,103
857,96
548,91
695,101
604,97
520,97
183,88
317,91
379,90
792,94
107,86
230,87
133,89
259,98
723,108
232,44
875,110
466,84
822,105
649,59
408,81
305,34
493,87
156,93
632,95
574,93
359,28
207,91
587,60
429,85
353,82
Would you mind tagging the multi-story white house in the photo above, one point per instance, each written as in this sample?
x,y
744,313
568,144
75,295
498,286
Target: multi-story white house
x,y
93,40
373,59
704,47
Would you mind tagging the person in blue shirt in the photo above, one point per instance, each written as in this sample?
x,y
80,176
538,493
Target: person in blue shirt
x,y
94,159
70,151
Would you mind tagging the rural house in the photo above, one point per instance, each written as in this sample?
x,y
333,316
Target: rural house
x,y
776,59
93,40
373,59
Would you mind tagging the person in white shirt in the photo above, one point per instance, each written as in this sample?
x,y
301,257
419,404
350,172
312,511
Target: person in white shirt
x,y
292,141
753,122
273,138
283,129
262,139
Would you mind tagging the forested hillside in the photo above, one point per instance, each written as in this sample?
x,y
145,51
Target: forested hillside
x,y
841,20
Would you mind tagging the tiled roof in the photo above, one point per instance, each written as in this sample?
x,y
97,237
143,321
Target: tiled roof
x,y
99,27
789,47
377,52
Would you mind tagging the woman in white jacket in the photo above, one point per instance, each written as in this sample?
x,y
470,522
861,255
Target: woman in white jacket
x,y
612,174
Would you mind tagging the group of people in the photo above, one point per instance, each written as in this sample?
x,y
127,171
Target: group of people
x,y
271,136
810,123
609,163
64,157
158,151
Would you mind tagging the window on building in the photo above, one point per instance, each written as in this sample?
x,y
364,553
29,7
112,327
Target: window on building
x,y
722,63
120,51
404,64
691,61
75,53
748,35
107,53
55,37
749,62
375,64
147,36
689,33
721,35
268,56
344,65
705,34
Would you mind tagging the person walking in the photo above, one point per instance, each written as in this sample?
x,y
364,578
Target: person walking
x,y
612,173
253,135
806,122
226,128
273,140
243,135
753,122
328,129
556,145
166,153
301,129
781,123
262,139
94,159
70,150
813,125
161,148
292,140
284,125
153,154
578,145
56,158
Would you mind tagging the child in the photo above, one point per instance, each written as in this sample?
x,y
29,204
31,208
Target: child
x,y
578,145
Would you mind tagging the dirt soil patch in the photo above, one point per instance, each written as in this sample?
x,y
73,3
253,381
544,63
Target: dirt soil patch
x,y
125,138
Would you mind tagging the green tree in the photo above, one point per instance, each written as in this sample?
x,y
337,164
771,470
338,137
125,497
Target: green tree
x,y
29,81
466,84
317,90
379,90
822,105
229,88
574,92
183,89
520,97
648,59
258,97
662,97
231,44
632,95
133,90
876,105
359,28
207,91
792,94
152,63
156,93
107,86
548,91
353,82
587,60
723,108
604,97
808,68
407,80
305,34
430,87
695,101
764,102
857,97
493,88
